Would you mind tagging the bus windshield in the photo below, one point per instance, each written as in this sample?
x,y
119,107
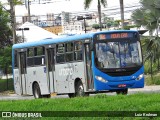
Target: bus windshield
x,y
118,54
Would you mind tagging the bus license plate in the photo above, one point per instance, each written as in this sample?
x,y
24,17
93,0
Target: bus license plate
x,y
122,85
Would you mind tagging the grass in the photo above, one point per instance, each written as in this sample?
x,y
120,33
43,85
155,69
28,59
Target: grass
x,y
4,85
101,102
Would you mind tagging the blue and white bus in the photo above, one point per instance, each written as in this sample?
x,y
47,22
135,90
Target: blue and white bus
x,y
79,65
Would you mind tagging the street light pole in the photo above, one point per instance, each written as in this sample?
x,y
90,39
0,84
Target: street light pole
x,y
85,25
84,18
22,29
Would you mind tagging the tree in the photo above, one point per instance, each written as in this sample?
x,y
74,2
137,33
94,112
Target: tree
x,y
5,30
109,24
122,13
6,61
95,26
148,16
87,4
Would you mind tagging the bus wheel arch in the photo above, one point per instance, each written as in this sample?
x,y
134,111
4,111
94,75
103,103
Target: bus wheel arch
x,y
79,88
71,95
36,90
123,92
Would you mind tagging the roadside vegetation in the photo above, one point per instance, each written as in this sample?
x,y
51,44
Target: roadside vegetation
x,y
147,16
99,102
6,85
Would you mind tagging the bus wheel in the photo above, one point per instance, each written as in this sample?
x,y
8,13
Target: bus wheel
x,y
47,96
79,89
71,95
36,91
123,92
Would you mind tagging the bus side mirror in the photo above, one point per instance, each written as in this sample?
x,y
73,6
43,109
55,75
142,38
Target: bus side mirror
x,y
88,41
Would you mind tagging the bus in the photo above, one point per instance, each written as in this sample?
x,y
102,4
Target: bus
x,y
79,65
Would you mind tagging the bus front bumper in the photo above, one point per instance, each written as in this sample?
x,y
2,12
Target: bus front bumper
x,y
119,85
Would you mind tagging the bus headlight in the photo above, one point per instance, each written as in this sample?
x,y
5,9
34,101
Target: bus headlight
x,y
101,79
140,77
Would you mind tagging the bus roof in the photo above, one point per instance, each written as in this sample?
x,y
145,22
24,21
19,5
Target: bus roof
x,y
63,39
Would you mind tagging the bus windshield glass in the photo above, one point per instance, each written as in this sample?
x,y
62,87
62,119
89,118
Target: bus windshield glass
x,y
118,54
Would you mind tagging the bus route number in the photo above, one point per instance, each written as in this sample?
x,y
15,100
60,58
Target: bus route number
x,y
119,35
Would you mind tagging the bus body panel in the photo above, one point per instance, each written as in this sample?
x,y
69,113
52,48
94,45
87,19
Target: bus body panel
x,y
17,82
38,74
66,75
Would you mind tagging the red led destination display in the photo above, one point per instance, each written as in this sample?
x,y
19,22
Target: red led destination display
x,y
115,36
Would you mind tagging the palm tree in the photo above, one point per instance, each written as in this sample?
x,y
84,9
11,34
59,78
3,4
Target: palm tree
x,y
122,13
148,16
87,4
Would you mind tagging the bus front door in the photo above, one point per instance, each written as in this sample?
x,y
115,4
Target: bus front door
x,y
23,72
88,62
50,69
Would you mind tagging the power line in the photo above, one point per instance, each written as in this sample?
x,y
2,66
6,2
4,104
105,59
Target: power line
x,y
93,11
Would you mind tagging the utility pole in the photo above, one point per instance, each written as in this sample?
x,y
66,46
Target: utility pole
x,y
99,16
122,13
13,21
84,18
85,30
29,14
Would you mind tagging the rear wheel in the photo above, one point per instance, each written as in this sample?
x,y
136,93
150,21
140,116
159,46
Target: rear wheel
x,y
46,96
79,89
123,92
36,91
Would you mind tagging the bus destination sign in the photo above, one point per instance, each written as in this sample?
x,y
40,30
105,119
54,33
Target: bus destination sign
x,y
115,35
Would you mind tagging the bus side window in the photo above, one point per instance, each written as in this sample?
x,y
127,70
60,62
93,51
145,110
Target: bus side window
x,y
39,58
78,50
60,53
69,52
39,51
30,57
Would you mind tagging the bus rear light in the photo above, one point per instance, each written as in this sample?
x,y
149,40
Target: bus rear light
x,y
140,77
101,79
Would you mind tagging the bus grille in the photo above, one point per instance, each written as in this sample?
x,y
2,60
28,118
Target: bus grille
x,y
124,73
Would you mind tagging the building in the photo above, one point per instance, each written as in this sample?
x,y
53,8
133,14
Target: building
x,y
73,27
54,29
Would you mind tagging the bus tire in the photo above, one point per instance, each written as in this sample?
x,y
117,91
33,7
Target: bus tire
x,y
36,91
123,92
79,89
71,95
46,96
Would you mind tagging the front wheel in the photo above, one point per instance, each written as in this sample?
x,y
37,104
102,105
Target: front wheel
x,y
71,95
36,91
123,92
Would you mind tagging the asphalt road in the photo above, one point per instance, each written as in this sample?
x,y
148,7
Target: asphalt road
x,y
146,89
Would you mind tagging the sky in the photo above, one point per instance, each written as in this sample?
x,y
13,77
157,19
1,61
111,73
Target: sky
x,y
71,6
